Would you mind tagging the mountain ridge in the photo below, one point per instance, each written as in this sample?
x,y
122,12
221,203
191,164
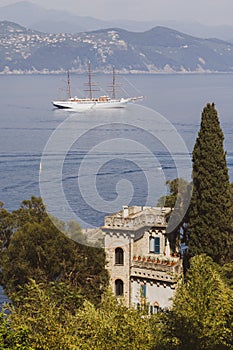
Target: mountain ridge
x,y
51,20
158,50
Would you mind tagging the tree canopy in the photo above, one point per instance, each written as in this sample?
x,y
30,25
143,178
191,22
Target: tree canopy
x,y
211,209
46,325
38,250
201,316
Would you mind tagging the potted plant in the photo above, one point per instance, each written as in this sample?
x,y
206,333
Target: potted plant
x,y
173,262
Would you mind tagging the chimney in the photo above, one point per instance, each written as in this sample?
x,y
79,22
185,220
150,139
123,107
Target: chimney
x,y
125,211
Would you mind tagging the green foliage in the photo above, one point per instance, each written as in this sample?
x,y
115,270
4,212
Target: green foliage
x,y
227,273
47,324
178,199
38,250
7,227
110,326
11,339
210,214
74,232
201,317
63,294
177,187
30,211
231,188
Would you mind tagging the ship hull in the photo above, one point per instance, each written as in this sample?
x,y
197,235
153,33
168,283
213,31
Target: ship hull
x,y
82,106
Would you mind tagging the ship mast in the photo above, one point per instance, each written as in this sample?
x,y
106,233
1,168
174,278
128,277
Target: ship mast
x,y
113,83
68,85
113,86
90,84
89,80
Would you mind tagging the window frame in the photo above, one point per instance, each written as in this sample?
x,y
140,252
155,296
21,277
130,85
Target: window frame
x,y
119,287
155,245
119,256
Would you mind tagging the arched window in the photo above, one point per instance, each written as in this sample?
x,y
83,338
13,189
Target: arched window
x,y
119,256
119,287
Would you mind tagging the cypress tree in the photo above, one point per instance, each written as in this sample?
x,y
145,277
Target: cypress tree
x,y
211,209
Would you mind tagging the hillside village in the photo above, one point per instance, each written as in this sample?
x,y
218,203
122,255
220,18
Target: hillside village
x,y
159,50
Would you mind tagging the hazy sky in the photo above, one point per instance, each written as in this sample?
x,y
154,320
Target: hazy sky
x,y
205,11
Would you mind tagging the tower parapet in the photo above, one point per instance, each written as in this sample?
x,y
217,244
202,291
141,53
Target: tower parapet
x,y
138,255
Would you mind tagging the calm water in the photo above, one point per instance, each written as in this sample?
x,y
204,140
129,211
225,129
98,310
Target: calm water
x,y
111,158
28,120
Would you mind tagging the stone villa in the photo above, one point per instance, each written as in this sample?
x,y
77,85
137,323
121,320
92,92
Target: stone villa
x,y
141,266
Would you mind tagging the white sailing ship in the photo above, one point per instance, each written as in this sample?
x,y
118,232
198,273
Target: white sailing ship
x,y
101,102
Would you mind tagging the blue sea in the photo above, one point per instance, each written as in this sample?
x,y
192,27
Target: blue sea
x,y
87,165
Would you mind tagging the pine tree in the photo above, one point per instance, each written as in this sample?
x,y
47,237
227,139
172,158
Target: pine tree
x,y
211,209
